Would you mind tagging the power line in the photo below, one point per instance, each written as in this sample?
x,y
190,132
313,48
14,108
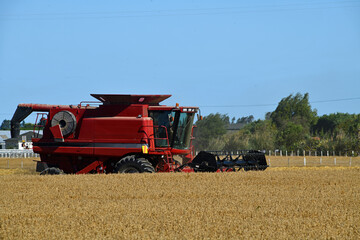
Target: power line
x,y
336,100
275,104
261,105
178,12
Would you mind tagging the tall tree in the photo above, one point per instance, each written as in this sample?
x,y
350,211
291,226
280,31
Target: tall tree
x,y
293,118
294,109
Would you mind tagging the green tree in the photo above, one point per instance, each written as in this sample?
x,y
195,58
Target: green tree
x,y
263,135
5,125
290,136
236,141
339,131
258,135
27,126
294,109
293,118
246,120
211,127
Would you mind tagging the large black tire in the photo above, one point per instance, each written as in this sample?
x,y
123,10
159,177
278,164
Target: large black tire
x,y
52,171
132,164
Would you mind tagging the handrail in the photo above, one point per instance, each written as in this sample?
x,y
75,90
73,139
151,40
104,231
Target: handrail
x,y
90,102
39,126
158,138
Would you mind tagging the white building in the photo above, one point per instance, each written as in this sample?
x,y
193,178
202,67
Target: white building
x,y
22,142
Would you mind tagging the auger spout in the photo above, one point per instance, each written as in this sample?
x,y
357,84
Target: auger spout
x,y
24,110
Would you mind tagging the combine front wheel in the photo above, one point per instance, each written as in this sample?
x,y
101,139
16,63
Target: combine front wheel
x,y
131,164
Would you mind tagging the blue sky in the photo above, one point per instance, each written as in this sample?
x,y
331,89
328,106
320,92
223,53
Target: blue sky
x,y
234,57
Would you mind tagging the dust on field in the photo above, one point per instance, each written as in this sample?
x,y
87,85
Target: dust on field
x,y
279,203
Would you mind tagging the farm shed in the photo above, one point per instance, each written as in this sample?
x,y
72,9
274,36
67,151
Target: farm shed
x,y
21,142
2,141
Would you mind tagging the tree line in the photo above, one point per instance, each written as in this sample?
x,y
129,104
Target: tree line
x,y
294,125
6,125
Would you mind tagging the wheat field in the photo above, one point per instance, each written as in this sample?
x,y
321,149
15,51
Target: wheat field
x,y
279,203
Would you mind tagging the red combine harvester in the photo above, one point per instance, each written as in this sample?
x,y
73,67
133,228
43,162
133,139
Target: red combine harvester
x,y
124,134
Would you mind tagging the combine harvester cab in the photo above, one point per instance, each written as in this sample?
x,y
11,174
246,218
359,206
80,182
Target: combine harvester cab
x,y
123,134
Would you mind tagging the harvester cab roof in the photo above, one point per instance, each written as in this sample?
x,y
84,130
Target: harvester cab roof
x,y
127,99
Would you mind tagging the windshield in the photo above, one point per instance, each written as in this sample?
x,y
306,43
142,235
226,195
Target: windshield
x,y
172,128
183,132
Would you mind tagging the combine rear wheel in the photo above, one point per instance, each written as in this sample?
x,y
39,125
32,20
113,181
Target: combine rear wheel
x,y
52,171
132,164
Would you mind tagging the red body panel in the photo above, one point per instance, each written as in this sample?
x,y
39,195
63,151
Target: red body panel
x,y
105,134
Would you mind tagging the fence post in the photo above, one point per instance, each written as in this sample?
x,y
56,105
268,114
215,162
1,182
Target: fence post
x,y
327,153
280,153
269,152
286,152
304,161
350,162
335,161
321,155
269,163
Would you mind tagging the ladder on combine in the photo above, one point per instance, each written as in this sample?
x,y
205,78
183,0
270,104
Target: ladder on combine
x,y
40,122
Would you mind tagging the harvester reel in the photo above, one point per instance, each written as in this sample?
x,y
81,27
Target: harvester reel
x,y
204,162
66,120
229,161
132,164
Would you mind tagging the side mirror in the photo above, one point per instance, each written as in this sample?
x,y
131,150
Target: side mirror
x,y
199,117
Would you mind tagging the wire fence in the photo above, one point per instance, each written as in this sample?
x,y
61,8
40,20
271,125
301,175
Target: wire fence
x,y
17,153
298,153
19,163
313,161
26,159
